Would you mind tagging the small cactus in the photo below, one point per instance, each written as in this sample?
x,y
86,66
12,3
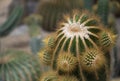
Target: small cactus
x,y
11,22
33,22
19,66
107,39
45,55
66,62
92,60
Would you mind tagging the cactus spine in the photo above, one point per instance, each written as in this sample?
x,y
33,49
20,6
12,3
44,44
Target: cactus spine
x,y
79,42
12,21
17,66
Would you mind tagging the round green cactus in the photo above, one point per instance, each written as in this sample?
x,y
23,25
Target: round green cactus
x,y
78,47
45,56
19,66
93,60
33,22
107,39
66,62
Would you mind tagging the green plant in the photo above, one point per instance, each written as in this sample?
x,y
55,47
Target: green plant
x,y
11,22
33,22
19,66
81,46
52,11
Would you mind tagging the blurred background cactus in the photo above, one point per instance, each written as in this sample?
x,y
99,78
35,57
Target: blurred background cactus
x,y
12,21
52,10
33,21
17,65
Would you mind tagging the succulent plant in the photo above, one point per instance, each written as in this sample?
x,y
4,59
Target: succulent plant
x,y
11,22
46,56
33,22
80,48
66,62
52,11
19,66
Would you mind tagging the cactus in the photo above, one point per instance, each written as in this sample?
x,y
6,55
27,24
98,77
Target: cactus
x,y
33,22
81,46
52,11
88,4
46,56
103,10
19,66
12,21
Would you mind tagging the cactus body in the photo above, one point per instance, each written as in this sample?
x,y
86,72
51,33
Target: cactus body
x,y
33,21
66,62
92,60
78,49
12,21
103,10
107,39
46,56
18,66
52,11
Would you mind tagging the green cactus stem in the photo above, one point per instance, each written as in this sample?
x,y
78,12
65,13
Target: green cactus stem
x,y
19,66
11,22
33,22
103,10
